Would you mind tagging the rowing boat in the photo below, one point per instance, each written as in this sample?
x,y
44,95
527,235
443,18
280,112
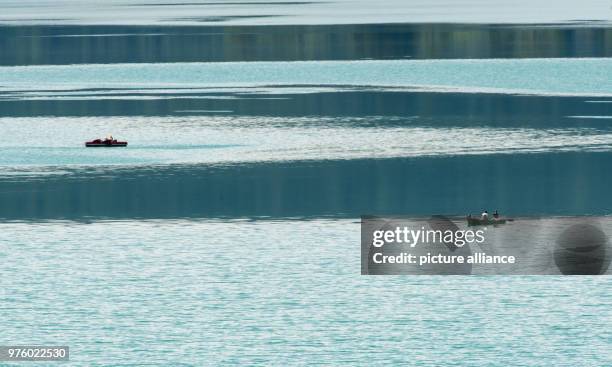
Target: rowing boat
x,y
484,222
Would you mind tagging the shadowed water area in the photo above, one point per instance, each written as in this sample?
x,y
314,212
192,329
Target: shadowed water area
x,y
524,183
71,44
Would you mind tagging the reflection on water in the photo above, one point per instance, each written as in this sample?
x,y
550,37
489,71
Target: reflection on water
x,y
28,45
545,183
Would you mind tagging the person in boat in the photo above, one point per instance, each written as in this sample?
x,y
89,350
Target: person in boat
x,y
484,216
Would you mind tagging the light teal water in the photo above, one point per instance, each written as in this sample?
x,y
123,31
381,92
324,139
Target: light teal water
x,y
47,141
533,76
201,292
272,12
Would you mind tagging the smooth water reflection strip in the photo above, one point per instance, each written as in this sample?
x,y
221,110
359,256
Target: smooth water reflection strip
x,y
81,44
521,184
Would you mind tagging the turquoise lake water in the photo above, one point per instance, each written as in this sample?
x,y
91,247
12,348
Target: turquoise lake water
x,y
534,76
241,292
228,231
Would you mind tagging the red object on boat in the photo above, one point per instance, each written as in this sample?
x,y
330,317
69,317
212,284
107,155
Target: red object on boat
x,y
106,143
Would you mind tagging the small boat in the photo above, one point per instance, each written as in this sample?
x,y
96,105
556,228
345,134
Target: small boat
x,y
106,143
485,222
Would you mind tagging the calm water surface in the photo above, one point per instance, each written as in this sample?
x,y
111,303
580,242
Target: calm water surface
x,y
227,231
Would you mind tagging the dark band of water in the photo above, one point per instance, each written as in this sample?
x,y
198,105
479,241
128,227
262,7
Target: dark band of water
x,y
146,44
551,184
